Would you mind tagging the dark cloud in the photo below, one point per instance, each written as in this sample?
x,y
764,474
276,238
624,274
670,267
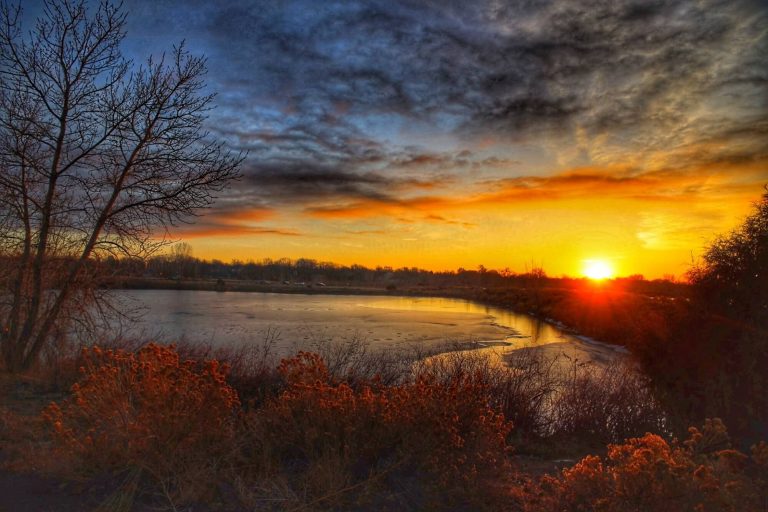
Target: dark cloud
x,y
283,182
299,181
325,95
512,69
477,60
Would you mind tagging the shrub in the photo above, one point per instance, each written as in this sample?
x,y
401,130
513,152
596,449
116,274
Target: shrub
x,y
522,391
251,366
598,405
445,433
556,403
145,411
649,474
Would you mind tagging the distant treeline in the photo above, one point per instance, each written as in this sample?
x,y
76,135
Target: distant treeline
x,y
309,272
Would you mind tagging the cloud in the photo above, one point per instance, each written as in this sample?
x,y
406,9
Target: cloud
x,y
357,108
235,214
233,220
697,184
286,182
440,219
207,230
513,69
373,207
709,183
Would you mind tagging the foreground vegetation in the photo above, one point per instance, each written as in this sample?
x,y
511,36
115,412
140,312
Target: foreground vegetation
x,y
158,426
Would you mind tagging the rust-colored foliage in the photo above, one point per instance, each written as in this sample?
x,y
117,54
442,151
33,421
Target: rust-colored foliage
x,y
449,430
145,410
649,474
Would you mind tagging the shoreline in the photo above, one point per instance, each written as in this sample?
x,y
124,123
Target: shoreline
x,y
238,286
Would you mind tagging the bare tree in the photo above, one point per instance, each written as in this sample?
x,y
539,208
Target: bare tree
x,y
181,256
98,156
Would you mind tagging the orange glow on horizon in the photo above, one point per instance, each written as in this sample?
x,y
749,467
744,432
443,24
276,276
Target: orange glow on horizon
x,y
654,235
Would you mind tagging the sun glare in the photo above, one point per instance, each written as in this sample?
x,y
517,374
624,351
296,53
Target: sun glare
x,y
597,269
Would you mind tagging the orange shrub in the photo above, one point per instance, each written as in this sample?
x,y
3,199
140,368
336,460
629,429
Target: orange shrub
x,y
449,426
649,474
447,430
145,410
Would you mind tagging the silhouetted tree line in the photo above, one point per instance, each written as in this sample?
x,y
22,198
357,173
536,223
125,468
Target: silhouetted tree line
x,y
180,264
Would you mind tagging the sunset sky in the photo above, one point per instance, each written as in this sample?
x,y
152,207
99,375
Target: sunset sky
x,y
451,134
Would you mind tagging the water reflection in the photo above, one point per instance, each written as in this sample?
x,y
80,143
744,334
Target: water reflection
x,y
384,322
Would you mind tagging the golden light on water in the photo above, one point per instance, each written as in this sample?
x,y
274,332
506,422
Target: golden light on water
x,y
598,269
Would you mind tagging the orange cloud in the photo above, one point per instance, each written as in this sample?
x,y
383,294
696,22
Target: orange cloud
x,y
375,207
706,182
439,218
212,230
232,222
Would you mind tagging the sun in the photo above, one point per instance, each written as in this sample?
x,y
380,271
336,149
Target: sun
x,y
598,269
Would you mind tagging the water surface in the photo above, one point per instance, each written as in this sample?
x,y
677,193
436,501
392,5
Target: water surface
x,y
382,321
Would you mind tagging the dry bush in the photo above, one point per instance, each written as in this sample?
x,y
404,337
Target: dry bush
x,y
649,474
549,398
59,367
147,412
596,405
355,362
522,391
251,366
329,439
525,393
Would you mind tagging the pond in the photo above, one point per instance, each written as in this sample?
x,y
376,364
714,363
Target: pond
x,y
297,321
